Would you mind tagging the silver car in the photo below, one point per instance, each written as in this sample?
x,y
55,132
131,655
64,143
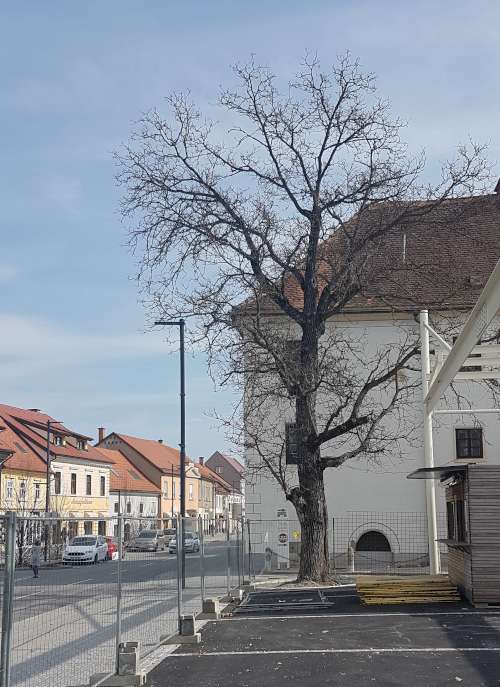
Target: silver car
x,y
148,540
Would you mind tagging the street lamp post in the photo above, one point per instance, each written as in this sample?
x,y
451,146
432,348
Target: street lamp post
x,y
181,324
47,494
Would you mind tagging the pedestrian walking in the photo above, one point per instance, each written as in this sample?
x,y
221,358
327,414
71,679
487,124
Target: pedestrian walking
x,y
36,557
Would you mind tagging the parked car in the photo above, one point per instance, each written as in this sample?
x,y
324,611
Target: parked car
x,y
191,543
148,540
86,549
113,548
170,533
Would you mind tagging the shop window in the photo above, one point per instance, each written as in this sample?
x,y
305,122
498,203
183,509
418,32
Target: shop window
x,y
88,527
101,528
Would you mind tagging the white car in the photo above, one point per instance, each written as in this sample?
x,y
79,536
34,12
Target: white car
x,y
86,549
191,543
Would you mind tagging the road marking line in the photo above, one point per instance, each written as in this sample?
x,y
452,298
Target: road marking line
x,y
334,615
398,650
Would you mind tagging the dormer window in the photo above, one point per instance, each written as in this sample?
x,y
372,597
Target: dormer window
x,y
58,440
81,444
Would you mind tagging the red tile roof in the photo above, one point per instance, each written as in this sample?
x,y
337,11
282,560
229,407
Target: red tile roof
x,y
441,257
158,454
31,427
211,476
125,476
22,456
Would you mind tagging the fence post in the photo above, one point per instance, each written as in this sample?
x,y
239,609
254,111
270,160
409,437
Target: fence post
x,y
202,558
250,566
8,594
119,593
334,566
179,535
238,552
228,544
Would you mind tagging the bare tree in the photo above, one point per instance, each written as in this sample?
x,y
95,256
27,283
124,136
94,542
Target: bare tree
x,y
263,230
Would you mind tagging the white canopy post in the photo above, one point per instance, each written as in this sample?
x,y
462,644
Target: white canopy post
x,y
430,486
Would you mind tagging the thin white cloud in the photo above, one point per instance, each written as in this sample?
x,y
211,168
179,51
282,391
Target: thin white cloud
x,y
29,345
7,272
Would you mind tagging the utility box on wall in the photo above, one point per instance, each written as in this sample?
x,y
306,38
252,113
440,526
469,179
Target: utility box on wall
x,y
473,521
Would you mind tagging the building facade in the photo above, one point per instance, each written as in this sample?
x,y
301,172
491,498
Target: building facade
x,y
132,495
232,472
78,474
375,488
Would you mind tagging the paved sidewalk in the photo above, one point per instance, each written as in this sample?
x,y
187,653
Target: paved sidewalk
x,y
418,646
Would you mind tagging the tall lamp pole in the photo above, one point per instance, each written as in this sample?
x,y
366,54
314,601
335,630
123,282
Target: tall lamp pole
x,y
181,324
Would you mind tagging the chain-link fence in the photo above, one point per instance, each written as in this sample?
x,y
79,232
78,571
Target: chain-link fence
x,y
359,542
74,592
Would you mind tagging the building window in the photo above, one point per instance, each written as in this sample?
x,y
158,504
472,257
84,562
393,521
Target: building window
x,y
10,488
190,492
165,490
101,528
22,490
219,470
141,508
58,440
87,527
57,483
73,482
173,490
81,444
37,492
103,485
72,529
291,443
115,530
469,442
116,507
89,485
129,507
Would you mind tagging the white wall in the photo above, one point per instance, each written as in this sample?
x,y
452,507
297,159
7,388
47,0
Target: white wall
x,y
381,485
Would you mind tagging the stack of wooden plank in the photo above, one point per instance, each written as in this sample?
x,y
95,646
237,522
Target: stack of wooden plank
x,y
406,590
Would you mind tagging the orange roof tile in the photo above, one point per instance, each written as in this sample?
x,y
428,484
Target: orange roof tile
x,y
24,423
23,457
160,455
125,476
208,474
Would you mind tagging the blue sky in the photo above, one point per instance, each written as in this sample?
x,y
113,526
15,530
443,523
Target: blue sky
x,y
75,76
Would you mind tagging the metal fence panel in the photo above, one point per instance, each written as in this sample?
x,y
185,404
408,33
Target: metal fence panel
x,y
64,619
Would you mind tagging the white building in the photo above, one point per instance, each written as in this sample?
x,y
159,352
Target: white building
x,y
131,494
375,507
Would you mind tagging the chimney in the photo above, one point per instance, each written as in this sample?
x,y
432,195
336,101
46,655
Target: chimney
x,y
201,460
102,432
160,441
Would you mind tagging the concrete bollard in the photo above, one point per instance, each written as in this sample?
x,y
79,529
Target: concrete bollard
x,y
188,634
211,609
129,673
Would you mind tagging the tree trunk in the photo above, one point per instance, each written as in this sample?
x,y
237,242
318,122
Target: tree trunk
x,y
313,517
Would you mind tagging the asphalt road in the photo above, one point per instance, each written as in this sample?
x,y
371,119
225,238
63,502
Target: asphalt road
x,y
64,627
